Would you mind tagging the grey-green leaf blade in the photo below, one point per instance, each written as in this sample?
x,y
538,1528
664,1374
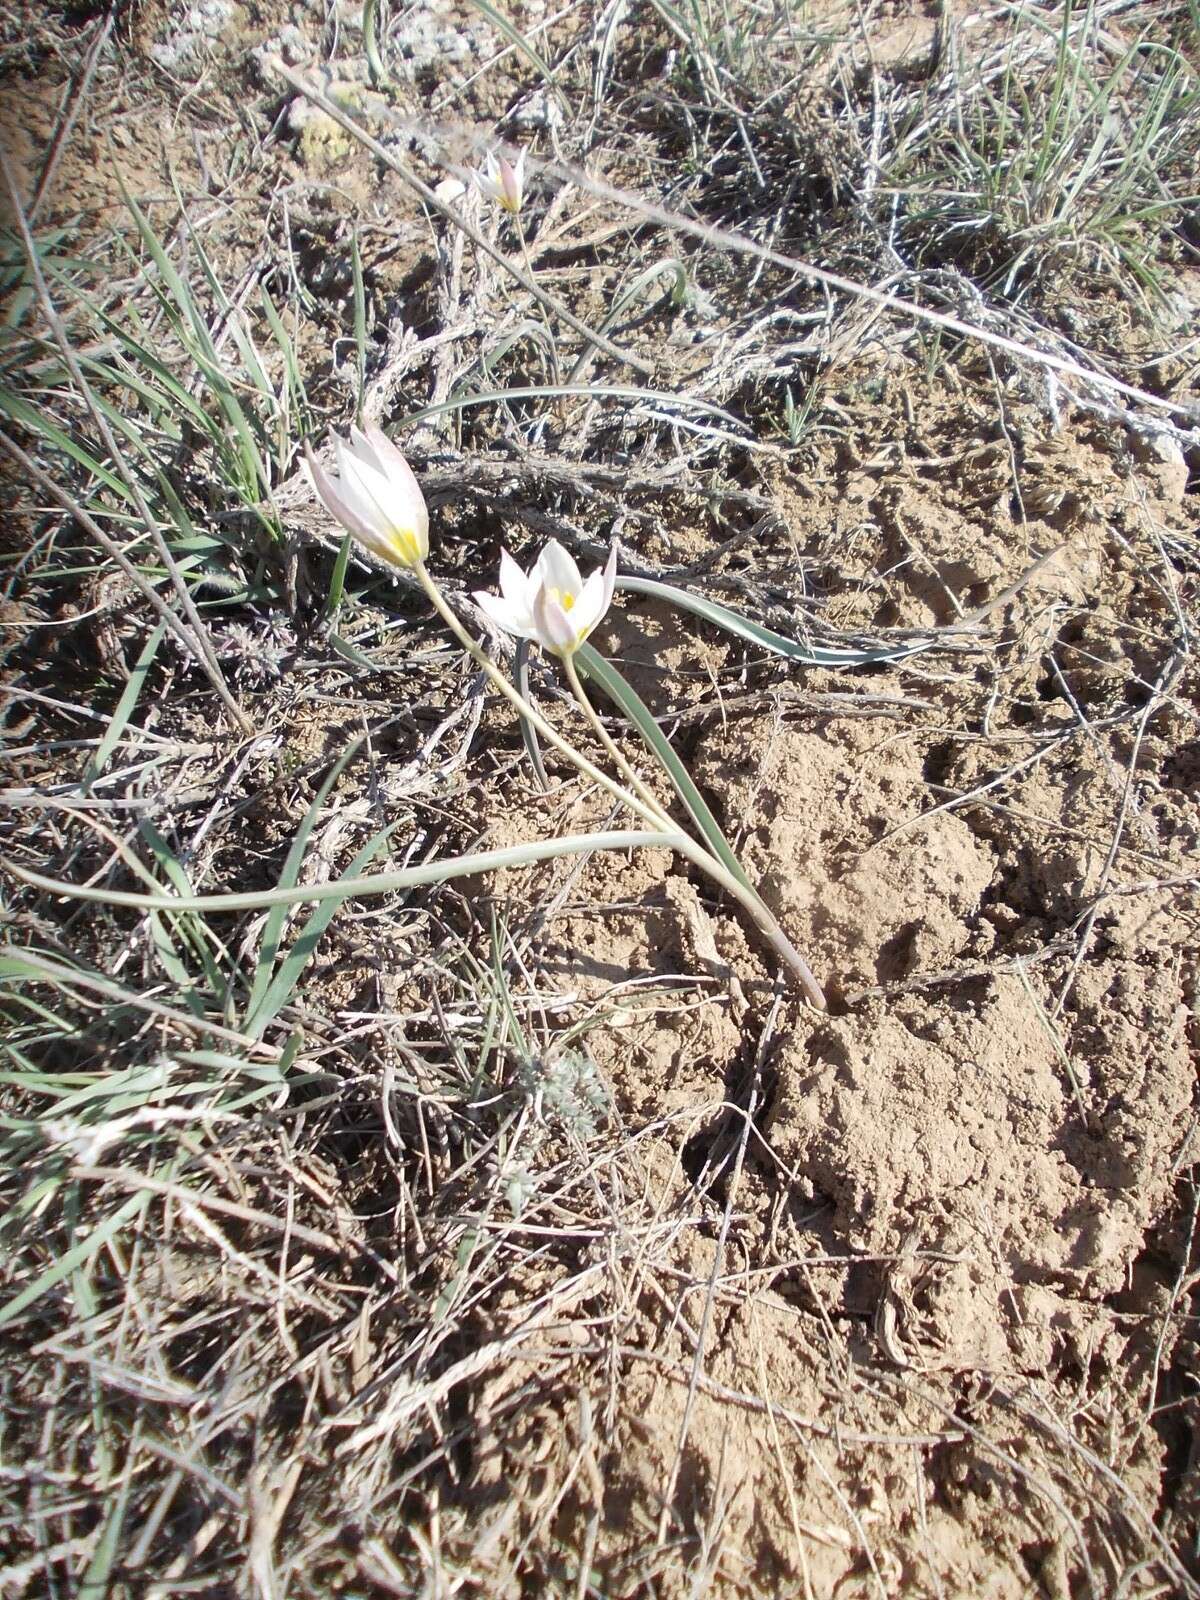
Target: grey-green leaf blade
x,y
606,677
754,632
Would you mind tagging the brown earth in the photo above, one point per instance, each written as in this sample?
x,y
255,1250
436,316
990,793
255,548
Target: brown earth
x,y
958,1196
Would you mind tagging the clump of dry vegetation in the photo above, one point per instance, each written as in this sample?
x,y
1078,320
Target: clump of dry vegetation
x,y
526,1234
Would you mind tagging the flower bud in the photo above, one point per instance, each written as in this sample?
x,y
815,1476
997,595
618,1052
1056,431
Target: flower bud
x,y
375,497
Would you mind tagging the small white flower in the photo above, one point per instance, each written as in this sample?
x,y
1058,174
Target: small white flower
x,y
375,497
502,182
552,604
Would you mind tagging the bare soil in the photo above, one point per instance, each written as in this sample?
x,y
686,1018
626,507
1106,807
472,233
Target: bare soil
x,y
959,1196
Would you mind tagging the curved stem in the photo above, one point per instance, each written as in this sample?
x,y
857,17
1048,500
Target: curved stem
x,y
515,698
651,814
706,859
517,855
763,920
545,315
635,783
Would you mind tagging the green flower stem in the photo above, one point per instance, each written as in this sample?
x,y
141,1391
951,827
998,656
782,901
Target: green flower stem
x,y
651,814
545,315
631,777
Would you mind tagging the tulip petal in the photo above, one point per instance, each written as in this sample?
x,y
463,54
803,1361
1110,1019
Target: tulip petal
x,y
349,487
391,503
557,569
488,178
589,607
510,187
507,617
389,459
362,447
342,509
514,585
554,628
610,577
375,496
364,487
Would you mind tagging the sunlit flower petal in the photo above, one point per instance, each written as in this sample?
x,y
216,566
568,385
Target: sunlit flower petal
x,y
610,578
557,569
343,508
551,604
399,474
508,617
589,607
375,497
502,181
514,585
554,628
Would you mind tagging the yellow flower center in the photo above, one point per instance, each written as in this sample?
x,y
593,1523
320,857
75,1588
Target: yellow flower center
x,y
407,547
564,597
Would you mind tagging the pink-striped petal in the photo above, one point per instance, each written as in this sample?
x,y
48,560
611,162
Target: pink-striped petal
x,y
554,627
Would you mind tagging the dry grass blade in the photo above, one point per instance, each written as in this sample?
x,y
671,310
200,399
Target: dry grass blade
x,y
196,631
429,198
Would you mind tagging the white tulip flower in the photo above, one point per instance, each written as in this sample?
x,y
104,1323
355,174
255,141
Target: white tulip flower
x,y
375,497
502,182
552,604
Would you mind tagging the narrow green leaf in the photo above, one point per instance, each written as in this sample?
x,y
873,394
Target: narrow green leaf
x,y
350,652
293,418
184,312
337,584
440,871
519,42
606,677
184,304
37,421
124,707
66,1264
278,992
679,284
193,929
269,1072
375,66
500,980
143,356
96,1581
754,632
232,314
